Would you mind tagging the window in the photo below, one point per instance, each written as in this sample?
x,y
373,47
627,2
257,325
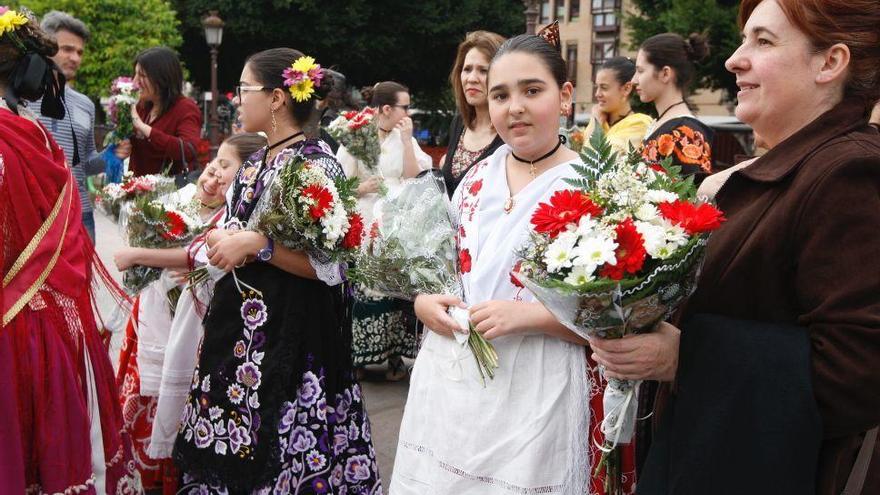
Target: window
x,y
574,10
605,5
571,59
545,12
603,50
560,10
605,22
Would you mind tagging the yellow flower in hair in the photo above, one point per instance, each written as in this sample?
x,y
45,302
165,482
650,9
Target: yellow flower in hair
x,y
304,64
302,90
10,20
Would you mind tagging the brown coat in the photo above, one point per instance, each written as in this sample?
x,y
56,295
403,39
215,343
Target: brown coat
x,y
802,245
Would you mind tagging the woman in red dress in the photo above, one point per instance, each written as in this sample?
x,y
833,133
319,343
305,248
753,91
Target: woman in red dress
x,y
61,427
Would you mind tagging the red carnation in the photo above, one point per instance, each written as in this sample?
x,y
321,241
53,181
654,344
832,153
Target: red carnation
x,y
374,230
322,199
516,268
464,261
352,238
630,252
692,218
350,114
566,207
175,226
475,187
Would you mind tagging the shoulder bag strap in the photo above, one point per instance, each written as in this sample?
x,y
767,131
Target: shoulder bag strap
x,y
860,469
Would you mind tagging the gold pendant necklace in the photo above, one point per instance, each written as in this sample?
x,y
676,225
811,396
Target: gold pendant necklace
x,y
508,205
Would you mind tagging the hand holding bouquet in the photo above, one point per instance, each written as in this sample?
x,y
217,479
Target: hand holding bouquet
x,y
616,254
303,208
410,250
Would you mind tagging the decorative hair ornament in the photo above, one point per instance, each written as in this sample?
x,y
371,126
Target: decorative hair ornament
x,y
10,21
302,78
550,33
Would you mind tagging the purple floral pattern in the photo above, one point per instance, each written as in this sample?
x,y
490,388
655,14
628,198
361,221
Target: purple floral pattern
x,y
325,444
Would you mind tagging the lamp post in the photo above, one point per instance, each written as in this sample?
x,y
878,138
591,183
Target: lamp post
x,y
213,25
531,15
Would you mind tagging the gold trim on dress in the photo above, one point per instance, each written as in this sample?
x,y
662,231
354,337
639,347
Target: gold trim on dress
x,y
35,241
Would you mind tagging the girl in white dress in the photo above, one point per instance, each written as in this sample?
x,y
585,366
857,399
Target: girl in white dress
x,y
526,431
381,331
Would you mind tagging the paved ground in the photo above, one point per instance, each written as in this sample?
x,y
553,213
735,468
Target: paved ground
x,y
384,400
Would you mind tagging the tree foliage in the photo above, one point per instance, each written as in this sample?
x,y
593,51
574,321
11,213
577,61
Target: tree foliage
x,y
119,30
716,18
369,41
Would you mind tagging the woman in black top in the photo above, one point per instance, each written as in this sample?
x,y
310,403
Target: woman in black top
x,y
471,136
664,70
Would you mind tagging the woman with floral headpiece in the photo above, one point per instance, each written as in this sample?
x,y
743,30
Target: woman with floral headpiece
x,y
274,404
61,425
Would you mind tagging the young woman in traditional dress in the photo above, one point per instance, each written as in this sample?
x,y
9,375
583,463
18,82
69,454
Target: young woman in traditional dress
x,y
152,322
382,330
525,431
61,430
614,87
664,71
274,404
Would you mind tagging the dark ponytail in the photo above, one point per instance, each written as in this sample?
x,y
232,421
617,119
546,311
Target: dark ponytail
x,y
671,50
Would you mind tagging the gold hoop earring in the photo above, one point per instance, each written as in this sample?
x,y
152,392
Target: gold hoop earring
x,y
274,122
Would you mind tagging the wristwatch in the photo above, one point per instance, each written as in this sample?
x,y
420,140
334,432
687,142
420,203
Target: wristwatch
x,y
266,253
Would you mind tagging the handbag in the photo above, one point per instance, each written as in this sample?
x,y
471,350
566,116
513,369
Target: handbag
x,y
185,176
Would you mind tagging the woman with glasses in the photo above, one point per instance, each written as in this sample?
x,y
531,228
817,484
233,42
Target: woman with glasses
x,y
380,324
167,125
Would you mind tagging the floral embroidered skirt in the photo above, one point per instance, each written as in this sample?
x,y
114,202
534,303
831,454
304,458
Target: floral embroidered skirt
x,y
382,328
274,407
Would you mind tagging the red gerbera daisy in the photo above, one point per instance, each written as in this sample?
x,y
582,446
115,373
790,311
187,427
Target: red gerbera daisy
x,y
692,218
464,261
566,206
630,252
322,199
516,283
175,226
352,238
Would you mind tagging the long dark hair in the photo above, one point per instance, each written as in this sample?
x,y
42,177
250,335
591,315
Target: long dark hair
x,y
383,93
269,65
162,67
671,50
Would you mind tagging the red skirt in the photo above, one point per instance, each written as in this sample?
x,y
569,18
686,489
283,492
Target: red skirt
x,y
138,413
46,386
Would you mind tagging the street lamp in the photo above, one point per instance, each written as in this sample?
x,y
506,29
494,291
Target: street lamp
x,y
213,25
531,13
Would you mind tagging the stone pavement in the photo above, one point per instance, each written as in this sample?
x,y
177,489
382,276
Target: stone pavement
x,y
384,400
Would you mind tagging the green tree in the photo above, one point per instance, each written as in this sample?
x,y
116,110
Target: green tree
x,y
119,30
412,42
716,18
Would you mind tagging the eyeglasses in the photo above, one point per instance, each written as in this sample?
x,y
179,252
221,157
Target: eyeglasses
x,y
239,88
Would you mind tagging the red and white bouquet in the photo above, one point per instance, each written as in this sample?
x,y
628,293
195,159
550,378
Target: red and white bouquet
x,y
614,255
123,94
304,208
170,222
112,197
357,131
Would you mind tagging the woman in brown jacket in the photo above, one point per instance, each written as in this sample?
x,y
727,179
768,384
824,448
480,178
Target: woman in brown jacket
x,y
775,381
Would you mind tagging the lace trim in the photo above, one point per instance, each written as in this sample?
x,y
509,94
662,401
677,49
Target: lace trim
x,y
488,480
36,488
329,273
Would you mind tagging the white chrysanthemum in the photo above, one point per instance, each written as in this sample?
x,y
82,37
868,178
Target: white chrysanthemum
x,y
594,251
661,239
559,252
580,275
659,196
647,212
587,225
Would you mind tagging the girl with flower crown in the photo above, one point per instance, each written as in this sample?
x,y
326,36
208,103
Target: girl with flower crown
x,y
526,430
274,405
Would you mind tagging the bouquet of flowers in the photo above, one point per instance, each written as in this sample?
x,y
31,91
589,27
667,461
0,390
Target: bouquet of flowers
x,y
574,137
303,208
123,94
410,250
156,224
357,131
112,197
614,255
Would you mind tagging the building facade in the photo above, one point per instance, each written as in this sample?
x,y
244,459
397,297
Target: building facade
x,y
592,31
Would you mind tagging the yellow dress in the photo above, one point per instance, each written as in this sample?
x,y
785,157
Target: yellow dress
x,y
629,130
